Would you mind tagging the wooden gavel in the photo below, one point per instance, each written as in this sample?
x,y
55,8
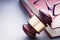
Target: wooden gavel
x,y
37,22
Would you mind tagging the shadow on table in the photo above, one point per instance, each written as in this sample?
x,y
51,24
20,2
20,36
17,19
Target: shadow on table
x,y
27,38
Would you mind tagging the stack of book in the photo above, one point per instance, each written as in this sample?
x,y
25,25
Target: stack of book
x,y
54,29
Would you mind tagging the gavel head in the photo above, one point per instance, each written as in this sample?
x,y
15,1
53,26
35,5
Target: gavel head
x,y
37,23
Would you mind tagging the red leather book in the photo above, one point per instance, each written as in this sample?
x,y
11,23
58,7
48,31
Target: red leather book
x,y
33,6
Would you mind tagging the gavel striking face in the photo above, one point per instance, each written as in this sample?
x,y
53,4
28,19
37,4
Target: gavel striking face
x,y
36,24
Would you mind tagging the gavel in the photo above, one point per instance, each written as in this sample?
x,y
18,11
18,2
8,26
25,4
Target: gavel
x,y
37,22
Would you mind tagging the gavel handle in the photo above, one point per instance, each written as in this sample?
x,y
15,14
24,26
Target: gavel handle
x,y
29,8
25,6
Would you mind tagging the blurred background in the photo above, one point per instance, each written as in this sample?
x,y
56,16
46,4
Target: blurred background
x,y
12,17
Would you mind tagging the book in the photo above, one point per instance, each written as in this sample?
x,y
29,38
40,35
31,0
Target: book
x,y
54,29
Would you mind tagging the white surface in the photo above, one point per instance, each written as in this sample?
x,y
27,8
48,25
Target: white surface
x,y
12,17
